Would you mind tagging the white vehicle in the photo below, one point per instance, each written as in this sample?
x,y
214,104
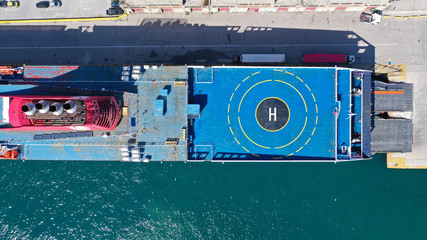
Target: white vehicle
x,y
374,18
262,58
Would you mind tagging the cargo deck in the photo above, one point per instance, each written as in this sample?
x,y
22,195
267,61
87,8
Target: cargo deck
x,y
179,113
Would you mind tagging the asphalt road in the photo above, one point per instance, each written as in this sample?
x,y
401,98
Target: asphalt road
x,y
214,39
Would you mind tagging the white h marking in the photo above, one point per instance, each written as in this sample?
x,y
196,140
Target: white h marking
x,y
271,114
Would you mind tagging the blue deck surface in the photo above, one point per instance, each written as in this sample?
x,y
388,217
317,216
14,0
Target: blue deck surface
x,y
228,126
344,117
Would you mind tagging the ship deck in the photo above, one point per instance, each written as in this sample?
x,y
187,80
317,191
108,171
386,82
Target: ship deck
x,y
230,129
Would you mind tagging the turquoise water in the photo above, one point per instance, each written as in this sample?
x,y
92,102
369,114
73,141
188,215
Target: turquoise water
x,y
78,200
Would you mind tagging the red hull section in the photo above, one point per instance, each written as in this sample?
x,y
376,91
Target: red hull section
x,y
93,113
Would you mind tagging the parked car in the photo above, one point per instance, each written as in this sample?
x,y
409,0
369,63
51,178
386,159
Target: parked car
x,y
115,11
374,18
43,4
9,4
55,4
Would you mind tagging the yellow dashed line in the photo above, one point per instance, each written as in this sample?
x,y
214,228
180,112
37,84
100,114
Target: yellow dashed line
x,y
231,97
247,150
386,16
300,80
237,140
245,79
313,97
231,131
256,155
241,128
289,73
313,131
307,141
316,109
299,149
256,73
290,155
423,16
228,118
307,87
228,108
237,87
415,16
277,70
317,117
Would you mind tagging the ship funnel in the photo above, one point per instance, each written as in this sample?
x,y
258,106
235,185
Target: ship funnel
x,y
42,106
56,109
29,109
70,106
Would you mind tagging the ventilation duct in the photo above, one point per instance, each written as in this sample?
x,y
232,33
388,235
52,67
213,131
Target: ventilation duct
x,y
56,109
29,109
70,106
42,106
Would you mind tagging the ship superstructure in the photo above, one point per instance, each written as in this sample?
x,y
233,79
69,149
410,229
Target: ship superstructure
x,y
181,113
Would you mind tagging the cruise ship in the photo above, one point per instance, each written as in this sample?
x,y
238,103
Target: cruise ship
x,y
144,113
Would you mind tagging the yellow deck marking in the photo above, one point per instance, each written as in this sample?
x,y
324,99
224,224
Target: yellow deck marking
x,y
231,131
256,155
64,19
307,87
305,123
289,73
237,140
299,149
231,97
313,131
245,149
297,92
277,70
228,108
313,97
300,80
256,73
237,87
241,100
317,117
307,141
290,155
228,118
249,137
316,109
245,79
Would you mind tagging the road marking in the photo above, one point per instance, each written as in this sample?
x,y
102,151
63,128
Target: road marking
x,y
63,20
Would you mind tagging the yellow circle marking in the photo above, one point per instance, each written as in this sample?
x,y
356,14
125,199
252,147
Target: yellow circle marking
x,y
241,100
305,104
238,117
302,130
305,123
283,125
